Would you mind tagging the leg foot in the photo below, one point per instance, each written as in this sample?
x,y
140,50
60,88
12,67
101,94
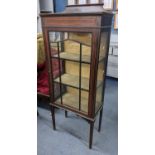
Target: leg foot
x,y
65,113
91,134
53,117
100,120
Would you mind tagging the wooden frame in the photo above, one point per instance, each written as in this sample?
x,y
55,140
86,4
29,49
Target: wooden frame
x,y
116,4
78,22
116,21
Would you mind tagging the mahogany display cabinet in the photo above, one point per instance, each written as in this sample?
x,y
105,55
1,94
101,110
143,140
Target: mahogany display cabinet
x,y
77,41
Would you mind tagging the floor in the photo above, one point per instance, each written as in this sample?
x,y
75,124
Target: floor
x,y
72,134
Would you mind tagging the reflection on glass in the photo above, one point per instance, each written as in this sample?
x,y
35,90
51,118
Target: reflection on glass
x,y
71,78
71,2
94,1
101,70
108,4
82,1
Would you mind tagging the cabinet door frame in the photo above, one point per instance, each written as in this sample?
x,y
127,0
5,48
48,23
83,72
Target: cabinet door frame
x,y
93,64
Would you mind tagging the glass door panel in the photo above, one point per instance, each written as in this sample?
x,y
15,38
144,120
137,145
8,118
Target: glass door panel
x,y
70,56
101,70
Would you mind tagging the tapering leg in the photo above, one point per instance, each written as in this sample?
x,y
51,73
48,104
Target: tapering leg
x,y
53,117
65,113
91,134
100,120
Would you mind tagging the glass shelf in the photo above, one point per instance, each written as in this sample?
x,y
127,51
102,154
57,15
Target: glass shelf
x,y
54,44
72,100
75,57
73,81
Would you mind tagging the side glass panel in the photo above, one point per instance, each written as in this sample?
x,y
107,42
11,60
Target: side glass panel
x,y
70,56
101,70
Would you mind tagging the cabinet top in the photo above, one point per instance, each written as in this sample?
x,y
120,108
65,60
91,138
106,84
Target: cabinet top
x,y
84,9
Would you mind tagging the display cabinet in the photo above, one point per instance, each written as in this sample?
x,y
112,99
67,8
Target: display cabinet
x,y
78,41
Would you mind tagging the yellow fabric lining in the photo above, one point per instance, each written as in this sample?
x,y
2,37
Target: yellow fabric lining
x,y
40,49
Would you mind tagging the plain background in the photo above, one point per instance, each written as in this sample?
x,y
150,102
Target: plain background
x,y
18,77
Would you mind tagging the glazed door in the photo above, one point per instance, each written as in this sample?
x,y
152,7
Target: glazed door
x,y
101,69
70,55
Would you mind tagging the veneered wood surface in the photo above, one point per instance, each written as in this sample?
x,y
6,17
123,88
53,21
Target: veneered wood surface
x,y
83,21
